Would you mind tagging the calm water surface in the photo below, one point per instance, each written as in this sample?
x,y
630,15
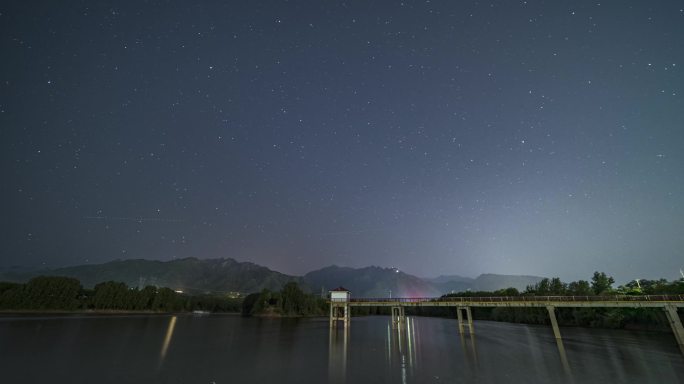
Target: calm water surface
x,y
231,349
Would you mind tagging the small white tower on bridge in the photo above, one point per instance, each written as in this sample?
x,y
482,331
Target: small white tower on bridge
x,y
340,294
339,306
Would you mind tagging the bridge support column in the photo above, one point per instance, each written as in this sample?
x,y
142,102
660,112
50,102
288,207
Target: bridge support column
x,y
471,328
554,322
469,319
339,312
675,324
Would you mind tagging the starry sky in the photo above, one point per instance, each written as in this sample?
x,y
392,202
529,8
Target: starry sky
x,y
437,137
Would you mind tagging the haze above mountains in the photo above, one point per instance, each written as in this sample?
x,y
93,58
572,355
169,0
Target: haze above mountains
x,y
228,275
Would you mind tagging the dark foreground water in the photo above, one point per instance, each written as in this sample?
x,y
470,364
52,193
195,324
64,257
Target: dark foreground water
x,y
230,349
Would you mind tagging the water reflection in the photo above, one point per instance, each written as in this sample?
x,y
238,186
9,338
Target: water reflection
x,y
115,349
469,349
401,347
167,338
563,357
410,337
337,354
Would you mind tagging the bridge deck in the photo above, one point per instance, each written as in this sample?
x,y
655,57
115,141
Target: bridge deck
x,y
619,301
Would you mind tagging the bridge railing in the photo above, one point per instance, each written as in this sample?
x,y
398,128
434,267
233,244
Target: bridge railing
x,y
503,299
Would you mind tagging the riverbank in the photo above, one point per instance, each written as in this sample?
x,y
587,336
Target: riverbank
x,y
99,312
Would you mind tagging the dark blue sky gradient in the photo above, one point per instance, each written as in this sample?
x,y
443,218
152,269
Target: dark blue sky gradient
x,y
441,137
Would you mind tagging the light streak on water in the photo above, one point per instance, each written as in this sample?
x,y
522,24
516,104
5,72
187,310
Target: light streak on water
x,y
408,338
389,344
168,337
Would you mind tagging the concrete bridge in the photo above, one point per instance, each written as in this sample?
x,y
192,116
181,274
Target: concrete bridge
x,y
340,305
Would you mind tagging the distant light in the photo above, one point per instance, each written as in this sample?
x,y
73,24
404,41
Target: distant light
x,y
178,291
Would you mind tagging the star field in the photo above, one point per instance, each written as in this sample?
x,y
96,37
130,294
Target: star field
x,y
436,137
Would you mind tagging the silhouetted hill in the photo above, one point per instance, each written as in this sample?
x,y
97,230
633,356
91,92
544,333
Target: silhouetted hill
x,y
370,282
190,275
452,283
449,278
377,282
492,282
227,275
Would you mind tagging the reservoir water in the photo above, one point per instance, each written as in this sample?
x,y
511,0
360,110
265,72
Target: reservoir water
x,y
231,349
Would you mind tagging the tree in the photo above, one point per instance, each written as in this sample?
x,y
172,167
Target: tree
x,y
249,303
601,283
543,287
263,302
580,288
557,287
110,295
292,299
12,296
507,292
166,300
145,297
51,292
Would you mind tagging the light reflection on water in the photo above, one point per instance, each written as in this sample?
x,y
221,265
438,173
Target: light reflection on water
x,y
511,353
232,349
167,338
469,349
563,357
337,354
400,353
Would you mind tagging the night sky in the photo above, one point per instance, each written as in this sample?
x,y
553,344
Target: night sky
x,y
438,137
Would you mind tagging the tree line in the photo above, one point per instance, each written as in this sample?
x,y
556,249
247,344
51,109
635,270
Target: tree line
x,y
600,284
64,293
67,294
289,302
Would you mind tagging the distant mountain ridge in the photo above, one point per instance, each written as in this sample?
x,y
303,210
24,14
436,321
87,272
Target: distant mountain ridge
x,y
228,275
189,275
449,278
492,282
371,282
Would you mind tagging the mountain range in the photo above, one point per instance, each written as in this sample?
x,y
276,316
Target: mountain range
x,y
228,275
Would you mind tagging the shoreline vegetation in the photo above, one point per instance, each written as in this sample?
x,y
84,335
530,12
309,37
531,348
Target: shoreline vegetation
x,y
54,295
94,312
51,294
290,301
652,319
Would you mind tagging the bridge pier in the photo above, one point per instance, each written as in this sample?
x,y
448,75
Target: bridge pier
x,y
675,324
339,312
398,316
554,322
461,323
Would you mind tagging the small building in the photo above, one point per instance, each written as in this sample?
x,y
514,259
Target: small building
x,y
340,294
